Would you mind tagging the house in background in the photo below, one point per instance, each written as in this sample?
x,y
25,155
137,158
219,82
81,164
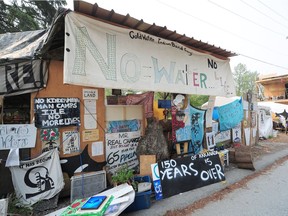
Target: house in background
x,y
273,92
274,88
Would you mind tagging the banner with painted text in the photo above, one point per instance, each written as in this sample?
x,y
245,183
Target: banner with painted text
x,y
23,77
103,55
38,179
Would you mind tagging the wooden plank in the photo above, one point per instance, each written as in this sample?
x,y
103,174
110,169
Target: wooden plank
x,y
145,164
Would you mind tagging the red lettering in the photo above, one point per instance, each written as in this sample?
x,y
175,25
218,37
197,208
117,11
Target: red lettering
x,y
195,78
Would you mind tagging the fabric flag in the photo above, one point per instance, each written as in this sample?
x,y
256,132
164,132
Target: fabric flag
x,y
38,179
197,117
145,99
13,158
230,115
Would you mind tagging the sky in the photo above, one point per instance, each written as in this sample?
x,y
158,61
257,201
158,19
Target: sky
x,y
257,30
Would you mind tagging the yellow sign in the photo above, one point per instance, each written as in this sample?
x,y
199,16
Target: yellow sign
x,y
90,135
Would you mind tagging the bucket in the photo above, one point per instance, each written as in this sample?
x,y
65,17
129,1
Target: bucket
x,y
275,132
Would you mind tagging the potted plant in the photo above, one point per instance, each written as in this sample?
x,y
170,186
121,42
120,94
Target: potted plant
x,y
124,175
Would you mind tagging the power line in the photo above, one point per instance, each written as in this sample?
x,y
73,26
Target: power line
x,y
265,62
215,26
273,10
264,14
220,28
264,27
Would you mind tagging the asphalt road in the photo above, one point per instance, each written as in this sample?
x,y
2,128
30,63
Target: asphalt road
x,y
266,195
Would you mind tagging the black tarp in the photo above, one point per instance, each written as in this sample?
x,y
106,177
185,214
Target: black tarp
x,y
24,56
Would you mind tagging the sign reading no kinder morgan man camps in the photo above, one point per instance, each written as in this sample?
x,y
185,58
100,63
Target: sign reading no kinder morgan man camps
x,y
56,112
191,172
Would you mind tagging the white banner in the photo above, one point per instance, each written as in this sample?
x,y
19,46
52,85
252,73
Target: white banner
x,y
38,179
265,122
102,55
121,149
17,136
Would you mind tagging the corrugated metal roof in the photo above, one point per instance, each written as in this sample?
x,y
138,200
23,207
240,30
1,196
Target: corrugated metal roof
x,y
273,79
159,31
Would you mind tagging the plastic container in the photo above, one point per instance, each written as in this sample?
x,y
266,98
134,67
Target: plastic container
x,y
142,199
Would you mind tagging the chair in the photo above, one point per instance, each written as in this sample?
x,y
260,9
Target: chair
x,y
185,147
211,143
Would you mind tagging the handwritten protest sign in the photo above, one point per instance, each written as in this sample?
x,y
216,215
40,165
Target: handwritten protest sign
x,y
17,136
191,172
121,149
56,112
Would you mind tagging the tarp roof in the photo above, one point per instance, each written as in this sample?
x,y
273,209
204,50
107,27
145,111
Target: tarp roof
x,y
275,107
21,45
39,44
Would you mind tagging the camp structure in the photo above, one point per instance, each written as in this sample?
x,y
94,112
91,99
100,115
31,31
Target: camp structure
x,y
59,128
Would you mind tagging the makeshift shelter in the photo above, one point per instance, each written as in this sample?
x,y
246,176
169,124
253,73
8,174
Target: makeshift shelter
x,y
279,121
102,49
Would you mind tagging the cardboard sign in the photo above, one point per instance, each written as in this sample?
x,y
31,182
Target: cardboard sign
x,y
187,173
14,136
121,149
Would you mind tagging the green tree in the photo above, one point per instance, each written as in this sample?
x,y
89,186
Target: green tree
x,y
195,100
198,100
244,79
26,15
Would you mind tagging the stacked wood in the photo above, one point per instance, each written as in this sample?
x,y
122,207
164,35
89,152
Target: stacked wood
x,y
232,155
243,157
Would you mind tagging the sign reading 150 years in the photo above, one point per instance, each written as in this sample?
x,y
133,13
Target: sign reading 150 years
x,y
56,112
182,174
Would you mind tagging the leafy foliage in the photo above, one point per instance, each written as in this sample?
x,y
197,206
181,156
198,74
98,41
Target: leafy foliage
x,y
244,79
26,15
198,100
14,206
123,175
195,100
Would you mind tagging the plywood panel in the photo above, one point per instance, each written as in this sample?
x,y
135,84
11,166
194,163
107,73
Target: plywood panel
x,y
115,113
145,164
56,88
123,112
126,112
134,112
